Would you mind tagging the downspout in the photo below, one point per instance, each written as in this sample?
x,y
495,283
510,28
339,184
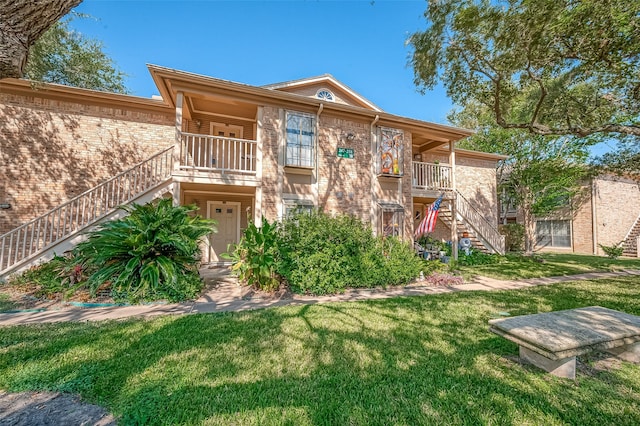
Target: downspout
x,y
372,213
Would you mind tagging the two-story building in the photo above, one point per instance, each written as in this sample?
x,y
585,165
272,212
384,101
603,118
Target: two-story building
x,y
71,156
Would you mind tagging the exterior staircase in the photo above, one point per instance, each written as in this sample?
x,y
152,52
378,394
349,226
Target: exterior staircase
x,y
483,235
60,229
630,242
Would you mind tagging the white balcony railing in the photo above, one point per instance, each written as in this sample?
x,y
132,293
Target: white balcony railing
x,y
217,154
431,176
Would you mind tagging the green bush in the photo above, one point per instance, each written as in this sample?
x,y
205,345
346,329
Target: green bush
x,y
151,254
614,251
254,257
324,255
514,236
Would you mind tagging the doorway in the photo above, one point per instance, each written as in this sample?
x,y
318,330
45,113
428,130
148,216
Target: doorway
x,y
227,214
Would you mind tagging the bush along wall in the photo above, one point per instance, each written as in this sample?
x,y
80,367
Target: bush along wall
x,y
321,254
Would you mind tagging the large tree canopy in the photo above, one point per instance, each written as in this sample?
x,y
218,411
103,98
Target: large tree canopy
x,y
552,67
21,24
67,57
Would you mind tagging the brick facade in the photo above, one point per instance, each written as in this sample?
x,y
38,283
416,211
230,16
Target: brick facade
x,y
52,150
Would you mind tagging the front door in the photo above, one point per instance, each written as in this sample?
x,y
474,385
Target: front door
x,y
227,214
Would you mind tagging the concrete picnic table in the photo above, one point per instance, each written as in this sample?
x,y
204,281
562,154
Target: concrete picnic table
x,y
552,340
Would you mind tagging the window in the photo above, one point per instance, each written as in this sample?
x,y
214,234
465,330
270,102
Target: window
x,y
390,149
325,95
300,134
553,233
391,220
292,207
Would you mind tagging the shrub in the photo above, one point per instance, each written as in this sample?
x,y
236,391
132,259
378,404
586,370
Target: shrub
x,y
150,254
614,251
514,236
324,255
254,257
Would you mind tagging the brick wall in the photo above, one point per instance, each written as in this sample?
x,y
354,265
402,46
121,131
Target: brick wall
x,y
53,150
271,129
344,185
617,208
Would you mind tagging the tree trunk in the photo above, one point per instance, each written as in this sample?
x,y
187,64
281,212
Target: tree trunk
x,y
21,24
529,229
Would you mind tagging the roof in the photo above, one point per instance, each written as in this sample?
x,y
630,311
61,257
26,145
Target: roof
x,y
328,80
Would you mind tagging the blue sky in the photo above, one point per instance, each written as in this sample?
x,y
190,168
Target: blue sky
x,y
361,43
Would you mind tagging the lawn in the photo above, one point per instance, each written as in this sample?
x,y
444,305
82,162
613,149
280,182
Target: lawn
x,y
548,265
413,360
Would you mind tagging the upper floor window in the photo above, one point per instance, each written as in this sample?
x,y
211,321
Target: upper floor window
x,y
300,134
390,151
325,94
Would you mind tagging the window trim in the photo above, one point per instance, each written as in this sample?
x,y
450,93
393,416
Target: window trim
x,y
398,226
314,126
552,237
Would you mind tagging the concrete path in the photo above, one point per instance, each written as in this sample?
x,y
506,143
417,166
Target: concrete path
x,y
225,294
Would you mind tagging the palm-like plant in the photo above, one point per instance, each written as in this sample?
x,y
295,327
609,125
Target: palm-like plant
x,y
150,254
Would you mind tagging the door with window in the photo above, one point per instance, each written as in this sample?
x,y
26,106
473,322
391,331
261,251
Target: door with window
x,y
227,215
227,151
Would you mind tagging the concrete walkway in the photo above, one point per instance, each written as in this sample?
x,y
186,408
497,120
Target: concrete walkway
x,y
225,294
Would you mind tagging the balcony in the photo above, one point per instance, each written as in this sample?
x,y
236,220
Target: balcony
x,y
208,159
218,154
431,177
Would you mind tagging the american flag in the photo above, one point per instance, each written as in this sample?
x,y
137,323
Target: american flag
x,y
428,224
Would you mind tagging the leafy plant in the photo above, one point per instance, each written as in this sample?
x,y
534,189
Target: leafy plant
x,y
614,251
514,236
322,254
150,254
254,257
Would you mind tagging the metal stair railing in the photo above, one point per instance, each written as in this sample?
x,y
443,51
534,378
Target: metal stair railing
x,y
484,230
28,240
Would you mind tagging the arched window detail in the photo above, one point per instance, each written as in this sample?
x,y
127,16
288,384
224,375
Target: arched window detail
x,y
325,95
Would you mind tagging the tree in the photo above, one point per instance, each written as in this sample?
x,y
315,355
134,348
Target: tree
x,y
67,57
542,174
551,67
21,24
625,160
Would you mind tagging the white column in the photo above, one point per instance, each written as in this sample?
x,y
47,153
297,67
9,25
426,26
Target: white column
x,y
454,220
257,208
177,146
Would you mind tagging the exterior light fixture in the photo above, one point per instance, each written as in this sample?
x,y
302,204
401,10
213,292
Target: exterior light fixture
x,y
350,137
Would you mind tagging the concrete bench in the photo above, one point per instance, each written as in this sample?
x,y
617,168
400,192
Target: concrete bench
x,y
552,340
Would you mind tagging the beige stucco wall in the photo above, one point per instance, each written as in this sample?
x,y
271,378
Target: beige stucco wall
x,y
52,150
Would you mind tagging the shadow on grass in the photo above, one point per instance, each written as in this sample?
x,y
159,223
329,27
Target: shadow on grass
x,y
413,360
549,265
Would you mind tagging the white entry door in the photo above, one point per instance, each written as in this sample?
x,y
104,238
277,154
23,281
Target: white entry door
x,y
227,214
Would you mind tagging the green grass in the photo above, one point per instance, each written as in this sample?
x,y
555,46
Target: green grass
x,y
522,267
5,303
404,361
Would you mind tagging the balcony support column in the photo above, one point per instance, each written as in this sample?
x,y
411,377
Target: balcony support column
x,y
177,146
454,219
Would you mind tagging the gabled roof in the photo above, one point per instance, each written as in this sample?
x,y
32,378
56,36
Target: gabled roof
x,y
328,81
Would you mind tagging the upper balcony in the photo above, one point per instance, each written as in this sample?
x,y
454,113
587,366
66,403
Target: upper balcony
x,y
429,179
209,158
